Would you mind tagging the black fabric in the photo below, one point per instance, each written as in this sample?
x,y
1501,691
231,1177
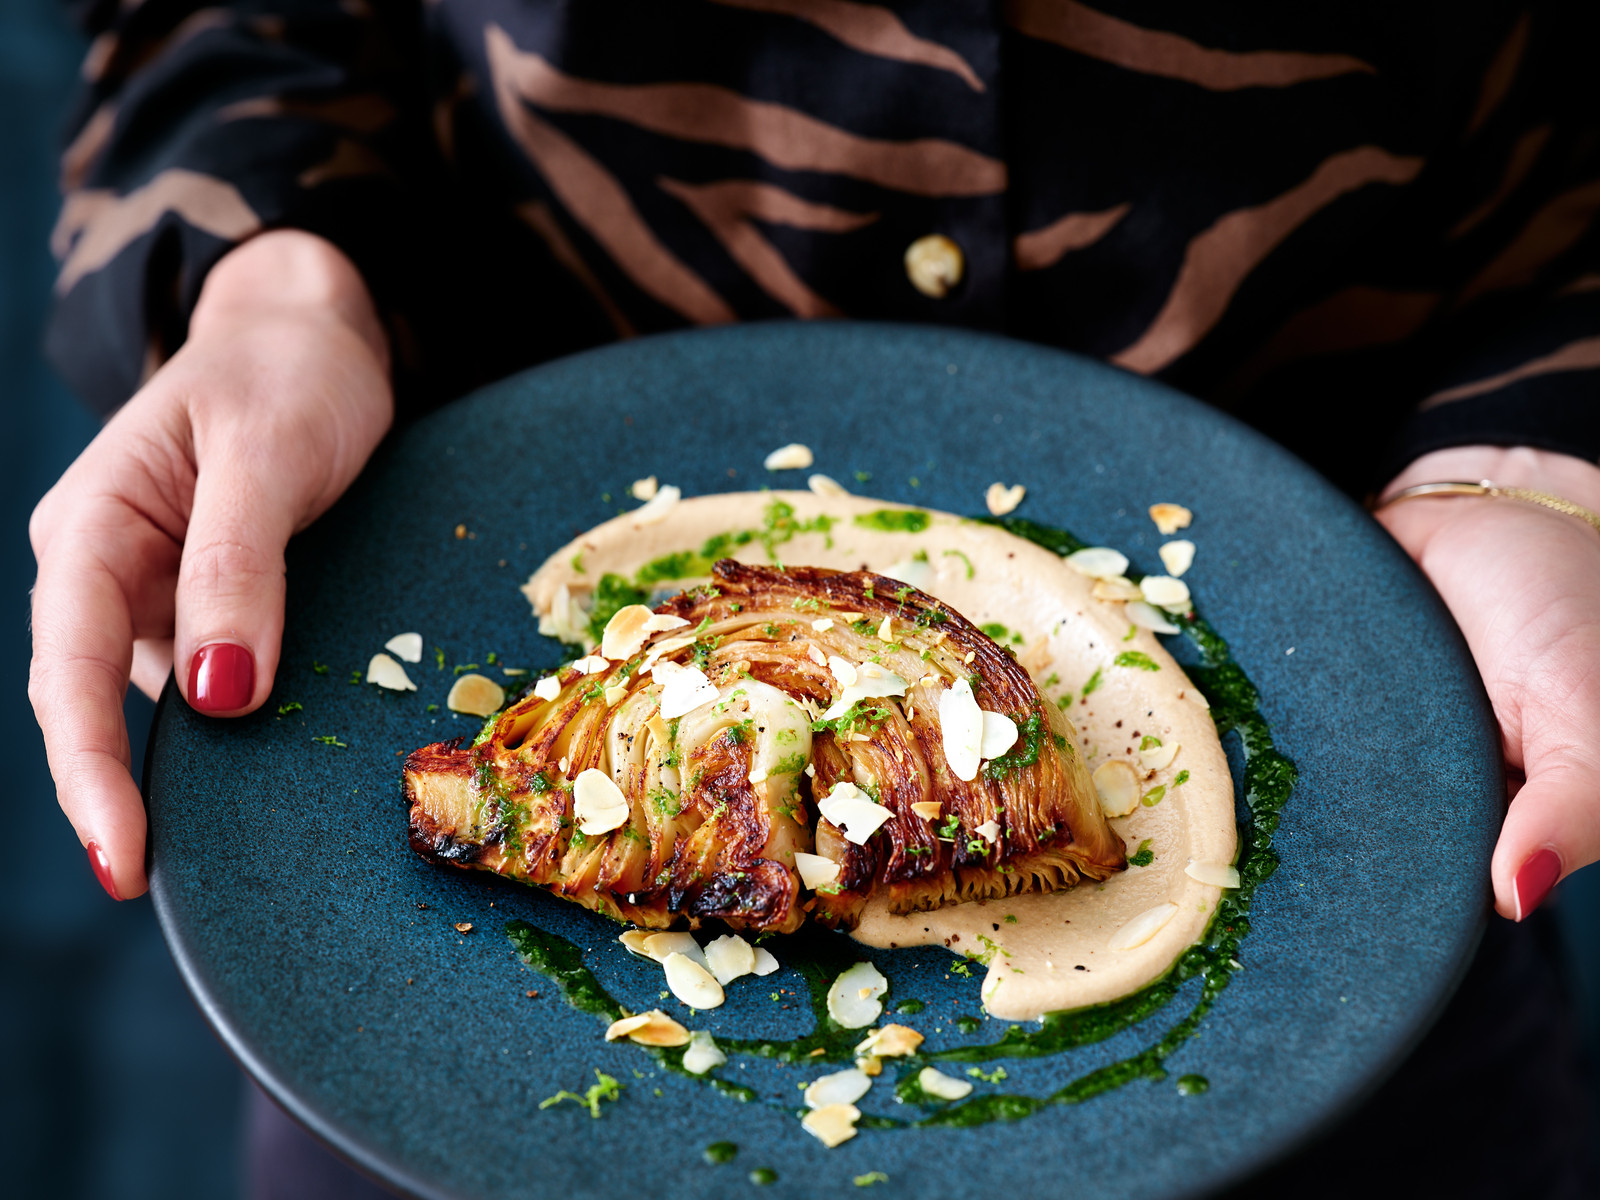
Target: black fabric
x,y
1400,207
284,1162
1494,1104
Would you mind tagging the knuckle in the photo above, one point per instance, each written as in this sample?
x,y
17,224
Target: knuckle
x,y
228,566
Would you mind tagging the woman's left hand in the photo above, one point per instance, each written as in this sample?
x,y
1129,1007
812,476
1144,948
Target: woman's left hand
x,y
1523,583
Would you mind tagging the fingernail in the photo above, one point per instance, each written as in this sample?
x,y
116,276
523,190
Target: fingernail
x,y
102,869
222,677
1534,880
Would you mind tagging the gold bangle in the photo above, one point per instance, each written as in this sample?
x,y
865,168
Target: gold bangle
x,y
1485,488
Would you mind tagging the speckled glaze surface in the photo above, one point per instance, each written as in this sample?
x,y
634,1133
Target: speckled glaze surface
x,y
324,950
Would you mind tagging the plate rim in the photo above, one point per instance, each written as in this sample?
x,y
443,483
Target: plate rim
x,y
374,1164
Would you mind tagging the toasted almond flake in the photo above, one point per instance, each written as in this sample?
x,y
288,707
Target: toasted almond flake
x,y
928,680
841,1087
892,1041
598,805
729,957
662,946
703,1054
1117,785
873,681
1002,499
407,647
1158,757
1148,616
911,712
941,1086
849,618
386,673
871,1065
822,485
1117,588
886,630
591,664
1177,556
833,1125
765,964
969,656
653,1028
793,457
928,810
615,693
692,983
811,770
644,489
815,654
1222,875
663,648
548,688
843,670
822,625
655,510
476,695
758,774
999,734
1170,518
815,870
683,689
661,622
1165,592
563,764
846,1003
463,927
625,632
633,940
513,670
934,264
1098,562
1143,927
989,831
961,729
849,809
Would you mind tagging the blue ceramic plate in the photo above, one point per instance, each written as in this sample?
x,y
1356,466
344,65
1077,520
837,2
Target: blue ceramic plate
x,y
325,951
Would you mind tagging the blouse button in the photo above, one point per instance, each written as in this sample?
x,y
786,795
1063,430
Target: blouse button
x,y
934,265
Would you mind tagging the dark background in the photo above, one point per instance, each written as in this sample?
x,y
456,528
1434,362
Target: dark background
x,y
111,1085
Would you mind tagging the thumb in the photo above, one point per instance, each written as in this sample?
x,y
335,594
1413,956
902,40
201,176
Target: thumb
x,y
1551,829
229,608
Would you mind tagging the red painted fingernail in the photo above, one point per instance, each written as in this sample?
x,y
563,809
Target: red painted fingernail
x,y
1535,879
102,869
222,677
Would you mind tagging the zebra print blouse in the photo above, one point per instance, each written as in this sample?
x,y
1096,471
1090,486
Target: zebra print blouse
x,y
1367,228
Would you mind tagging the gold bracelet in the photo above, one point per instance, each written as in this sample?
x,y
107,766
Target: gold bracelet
x,y
1485,488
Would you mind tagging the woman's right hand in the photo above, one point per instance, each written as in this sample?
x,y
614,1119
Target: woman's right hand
x,y
162,545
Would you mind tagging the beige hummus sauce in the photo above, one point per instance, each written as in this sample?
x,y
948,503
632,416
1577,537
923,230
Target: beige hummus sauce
x,y
1056,954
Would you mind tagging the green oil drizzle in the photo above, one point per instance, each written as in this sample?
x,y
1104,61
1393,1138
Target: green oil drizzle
x,y
895,520
819,957
562,963
720,1152
763,1176
779,525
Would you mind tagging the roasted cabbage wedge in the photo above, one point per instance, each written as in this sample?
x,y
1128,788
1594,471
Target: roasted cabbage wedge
x,y
715,802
